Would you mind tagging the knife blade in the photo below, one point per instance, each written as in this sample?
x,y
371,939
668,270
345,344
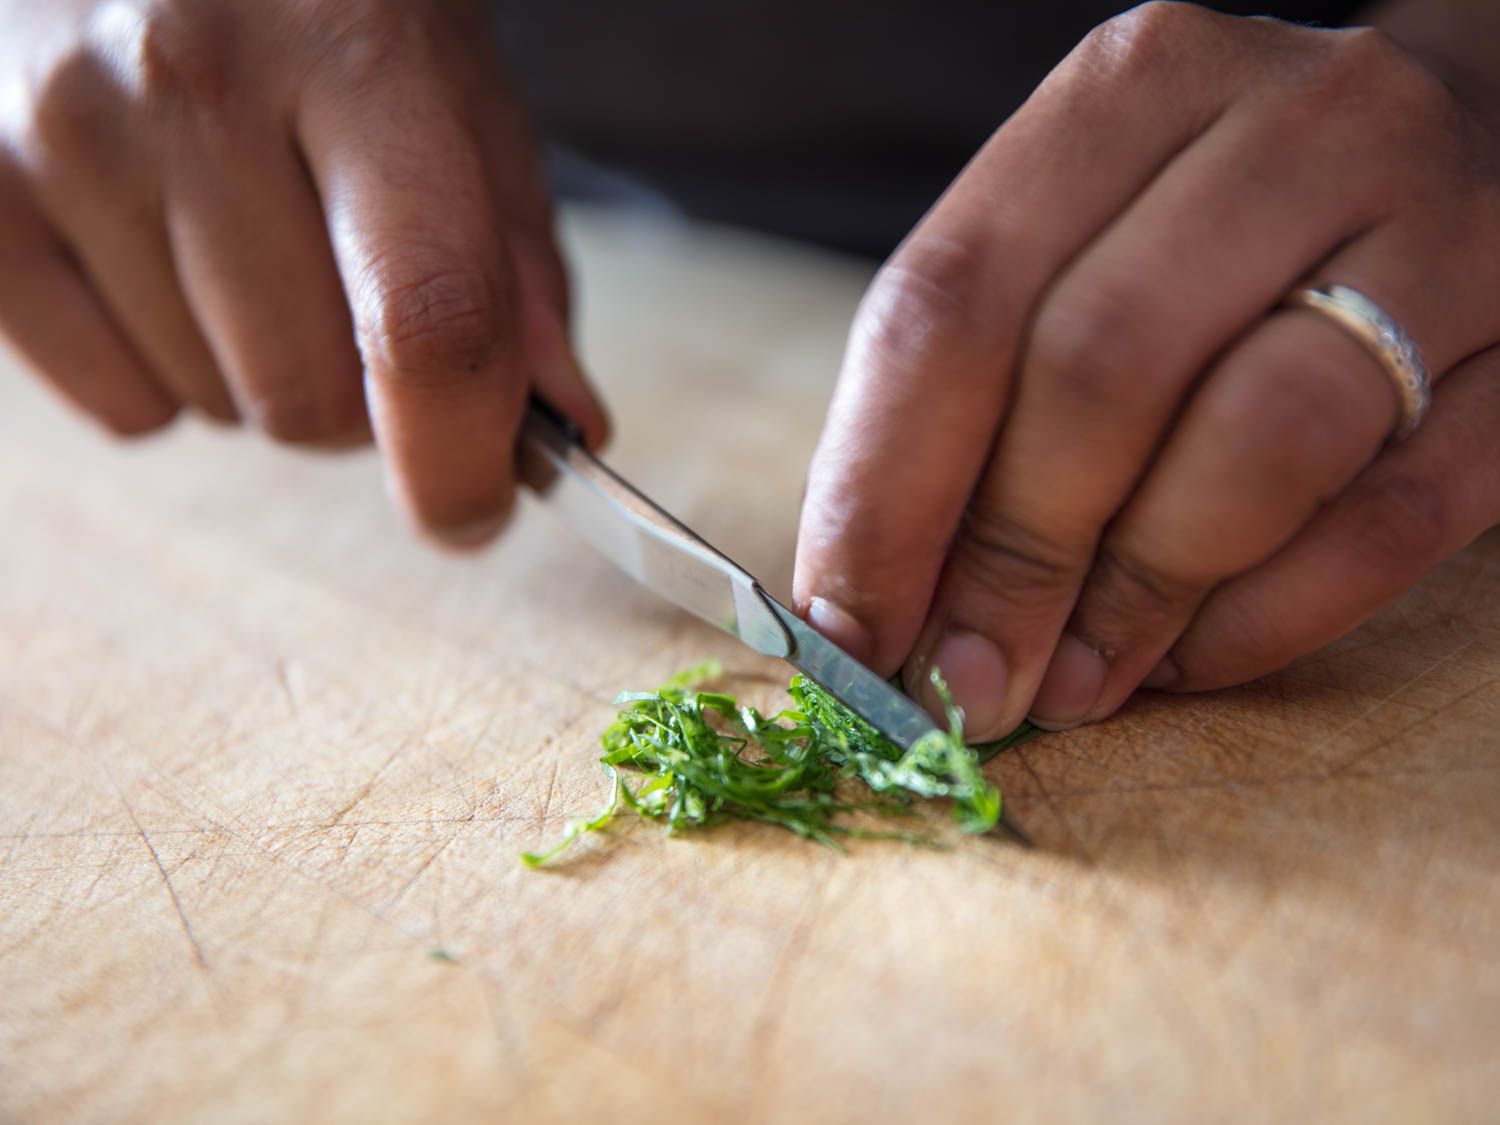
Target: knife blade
x,y
664,555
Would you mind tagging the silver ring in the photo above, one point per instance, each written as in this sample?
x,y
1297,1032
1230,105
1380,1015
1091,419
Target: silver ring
x,y
1382,337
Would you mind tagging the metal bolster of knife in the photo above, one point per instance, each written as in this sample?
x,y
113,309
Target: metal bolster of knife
x,y
640,538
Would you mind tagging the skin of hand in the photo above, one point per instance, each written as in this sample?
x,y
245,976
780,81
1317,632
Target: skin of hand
x,y
320,217
1077,446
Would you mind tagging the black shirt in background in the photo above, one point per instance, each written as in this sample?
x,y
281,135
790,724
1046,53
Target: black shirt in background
x,y
836,121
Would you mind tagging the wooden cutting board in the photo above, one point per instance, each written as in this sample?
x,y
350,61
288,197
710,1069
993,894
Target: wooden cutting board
x,y
262,757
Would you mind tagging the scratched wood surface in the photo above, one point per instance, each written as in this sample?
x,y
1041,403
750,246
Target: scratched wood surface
x,y
261,756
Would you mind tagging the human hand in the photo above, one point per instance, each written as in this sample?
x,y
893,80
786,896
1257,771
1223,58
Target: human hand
x,y
250,207
1077,445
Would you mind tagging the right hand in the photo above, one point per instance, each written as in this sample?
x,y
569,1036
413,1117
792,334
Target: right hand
x,y
242,206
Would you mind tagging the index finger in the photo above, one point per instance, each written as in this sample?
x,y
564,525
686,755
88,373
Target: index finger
x,y
417,235
931,356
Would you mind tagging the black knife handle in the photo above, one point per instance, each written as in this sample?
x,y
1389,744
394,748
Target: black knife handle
x,y
570,428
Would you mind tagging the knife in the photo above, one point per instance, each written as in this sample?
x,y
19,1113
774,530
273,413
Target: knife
x,y
665,556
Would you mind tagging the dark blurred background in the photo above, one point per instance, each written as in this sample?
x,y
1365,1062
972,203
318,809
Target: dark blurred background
x,y
834,121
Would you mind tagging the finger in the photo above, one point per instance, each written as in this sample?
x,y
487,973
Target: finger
x,y
1287,419
93,181
1137,317
59,327
252,247
418,240
930,355
1418,503
1109,361
515,170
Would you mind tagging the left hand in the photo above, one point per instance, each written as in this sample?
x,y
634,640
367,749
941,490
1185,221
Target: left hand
x,y
1077,445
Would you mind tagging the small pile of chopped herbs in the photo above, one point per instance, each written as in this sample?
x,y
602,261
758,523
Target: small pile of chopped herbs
x,y
703,759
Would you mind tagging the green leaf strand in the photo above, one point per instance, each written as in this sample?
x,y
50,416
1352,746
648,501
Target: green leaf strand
x,y
703,759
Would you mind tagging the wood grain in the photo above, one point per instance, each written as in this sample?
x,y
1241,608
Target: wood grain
x,y
260,754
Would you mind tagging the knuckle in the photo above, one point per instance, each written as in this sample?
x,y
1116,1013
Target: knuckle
x,y
1364,54
1403,517
172,59
433,324
69,105
361,41
1300,415
291,413
1010,562
921,303
1130,587
1094,345
1360,49
1134,44
1368,73
134,61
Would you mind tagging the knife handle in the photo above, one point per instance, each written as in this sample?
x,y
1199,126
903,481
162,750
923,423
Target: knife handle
x,y
548,439
571,430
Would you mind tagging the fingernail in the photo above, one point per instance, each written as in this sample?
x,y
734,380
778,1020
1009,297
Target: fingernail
x,y
468,536
974,670
841,627
1164,675
1072,685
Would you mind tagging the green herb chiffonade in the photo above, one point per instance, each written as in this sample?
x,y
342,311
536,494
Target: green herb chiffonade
x,y
701,759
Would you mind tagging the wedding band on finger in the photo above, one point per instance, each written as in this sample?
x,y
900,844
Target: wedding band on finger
x,y
1382,337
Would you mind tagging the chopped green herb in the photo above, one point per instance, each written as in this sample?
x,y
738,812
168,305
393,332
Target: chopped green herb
x,y
577,828
704,759
442,956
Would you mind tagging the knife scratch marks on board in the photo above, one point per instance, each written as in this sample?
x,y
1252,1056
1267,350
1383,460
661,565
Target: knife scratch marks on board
x,y
1251,787
38,917
85,899
18,840
541,819
1391,735
25,906
267,852
108,833
211,874
1199,736
417,874
206,823
1375,706
348,843
369,786
463,778
321,825
182,918
778,978
1062,749
1075,843
439,895
71,738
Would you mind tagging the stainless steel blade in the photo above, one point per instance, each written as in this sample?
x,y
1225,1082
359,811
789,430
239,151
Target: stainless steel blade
x,y
891,712
641,539
664,555
874,699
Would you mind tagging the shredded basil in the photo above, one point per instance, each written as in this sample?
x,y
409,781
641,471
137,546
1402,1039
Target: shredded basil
x,y
702,759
